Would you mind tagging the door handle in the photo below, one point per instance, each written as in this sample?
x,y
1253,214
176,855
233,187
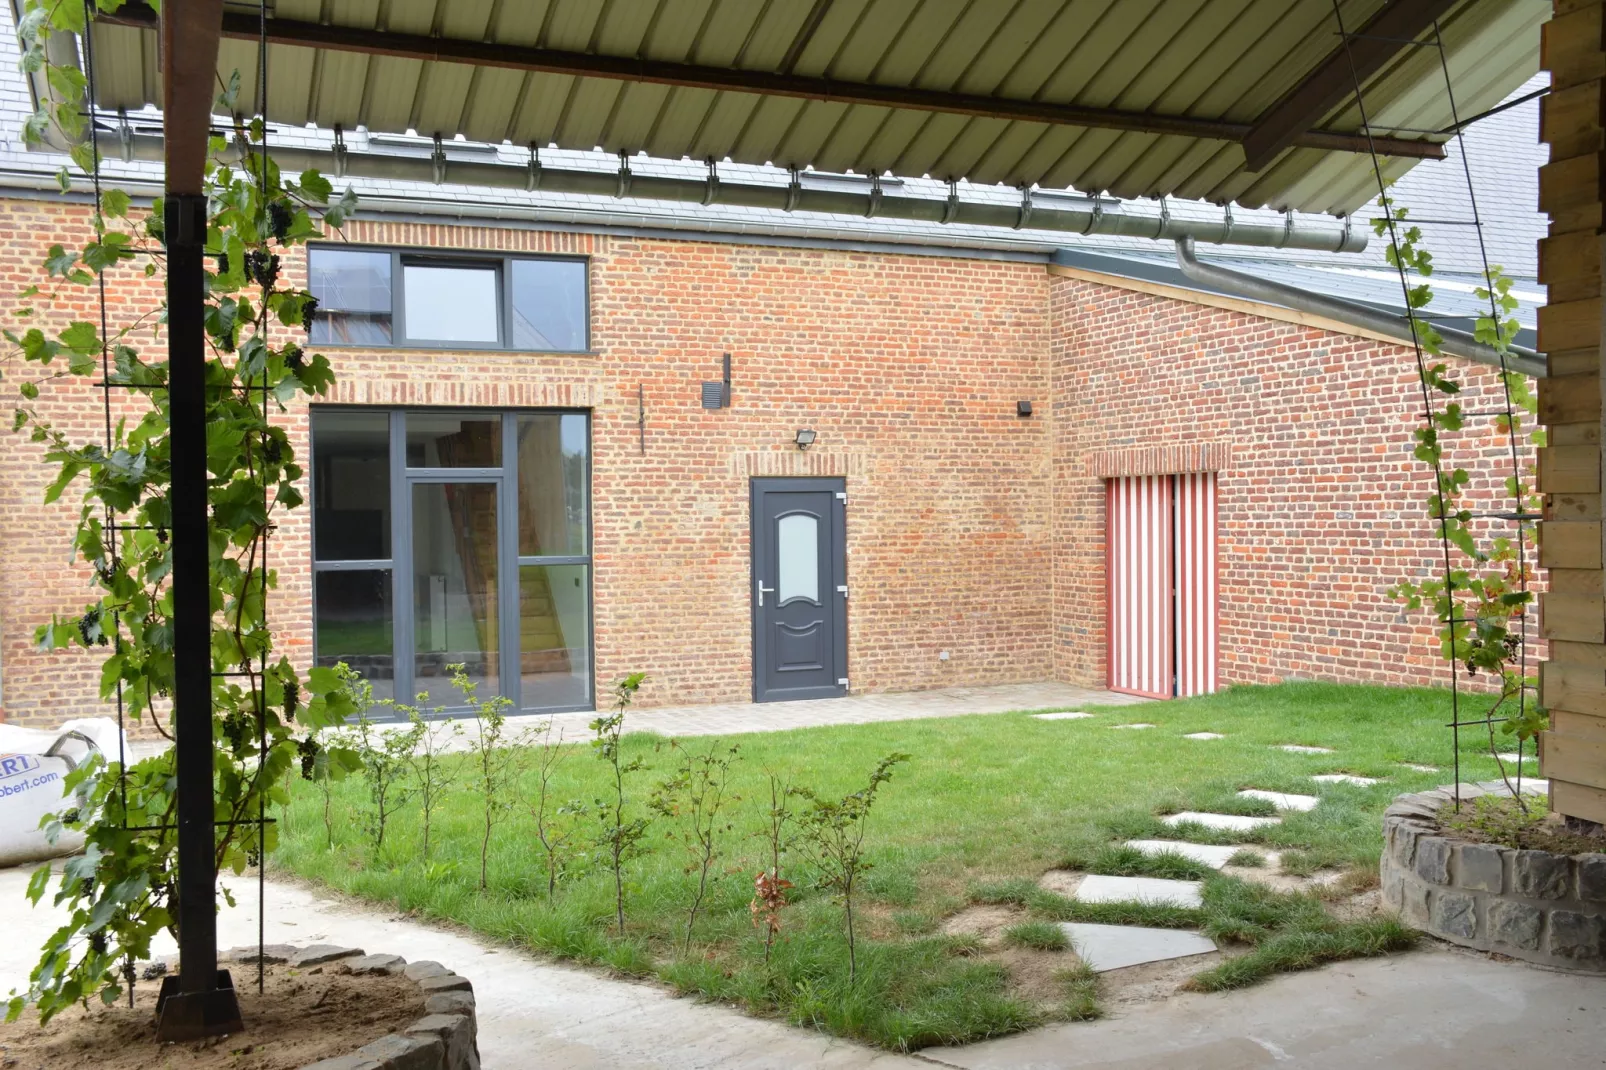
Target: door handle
x,y
762,590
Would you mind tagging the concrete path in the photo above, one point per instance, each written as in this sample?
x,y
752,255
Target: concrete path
x,y
1427,1010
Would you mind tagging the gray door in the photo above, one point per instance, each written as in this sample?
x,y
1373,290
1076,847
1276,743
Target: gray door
x,y
800,594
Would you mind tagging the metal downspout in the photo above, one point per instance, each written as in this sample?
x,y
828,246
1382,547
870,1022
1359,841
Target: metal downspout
x,y
1456,343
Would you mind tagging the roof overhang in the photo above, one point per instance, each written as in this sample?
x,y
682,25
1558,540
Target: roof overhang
x,y
1252,101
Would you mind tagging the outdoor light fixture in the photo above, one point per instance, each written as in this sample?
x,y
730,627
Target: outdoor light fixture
x,y
804,438
1023,408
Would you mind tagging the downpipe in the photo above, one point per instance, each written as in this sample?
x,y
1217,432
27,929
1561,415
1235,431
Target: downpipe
x,y
1456,343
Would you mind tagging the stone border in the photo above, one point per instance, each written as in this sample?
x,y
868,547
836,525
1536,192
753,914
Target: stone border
x,y
1532,905
446,1038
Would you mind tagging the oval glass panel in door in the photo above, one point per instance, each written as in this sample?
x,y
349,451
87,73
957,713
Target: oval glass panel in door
x,y
797,556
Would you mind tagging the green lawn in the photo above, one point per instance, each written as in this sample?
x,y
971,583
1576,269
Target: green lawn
x,y
984,806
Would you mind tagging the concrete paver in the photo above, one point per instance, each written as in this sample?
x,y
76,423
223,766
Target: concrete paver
x,y
1345,778
1282,800
1235,822
1300,748
1070,715
1097,888
1137,724
1204,735
1214,857
1115,947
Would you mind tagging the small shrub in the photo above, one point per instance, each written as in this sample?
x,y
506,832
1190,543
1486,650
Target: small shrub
x,y
384,754
699,790
557,827
432,775
618,840
496,763
769,887
1038,936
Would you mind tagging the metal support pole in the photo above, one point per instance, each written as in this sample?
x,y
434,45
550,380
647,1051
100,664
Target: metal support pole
x,y
202,1001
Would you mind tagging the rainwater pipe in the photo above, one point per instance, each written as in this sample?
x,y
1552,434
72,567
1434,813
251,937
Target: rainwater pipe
x,y
1390,324
806,192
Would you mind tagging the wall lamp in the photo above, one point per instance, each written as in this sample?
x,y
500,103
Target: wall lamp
x,y
804,438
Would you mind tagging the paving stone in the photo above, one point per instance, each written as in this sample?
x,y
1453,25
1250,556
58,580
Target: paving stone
x,y
1516,924
1297,748
1204,735
417,971
1421,768
347,1062
1281,800
447,982
1069,716
1479,867
1454,914
1512,756
1540,874
318,954
1214,857
1531,785
377,964
1581,937
1140,724
1235,822
1114,947
1346,778
1097,888
1433,859
421,1051
457,1033
272,954
1592,877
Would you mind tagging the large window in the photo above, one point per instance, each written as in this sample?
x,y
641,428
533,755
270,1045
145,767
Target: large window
x,y
447,538
387,297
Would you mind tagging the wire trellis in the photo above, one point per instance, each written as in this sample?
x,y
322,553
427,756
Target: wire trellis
x,y
1519,514
111,522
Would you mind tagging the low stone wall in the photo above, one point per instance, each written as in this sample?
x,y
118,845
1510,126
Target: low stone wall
x,y
445,1038
1531,905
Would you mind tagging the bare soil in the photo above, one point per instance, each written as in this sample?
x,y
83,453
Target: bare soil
x,y
1498,819
302,1017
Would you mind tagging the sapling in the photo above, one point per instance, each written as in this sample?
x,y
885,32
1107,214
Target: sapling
x,y
834,831
698,790
769,887
432,775
496,759
556,825
384,753
618,840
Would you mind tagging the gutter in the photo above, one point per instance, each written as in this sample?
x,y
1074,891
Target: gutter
x,y
1457,343
806,192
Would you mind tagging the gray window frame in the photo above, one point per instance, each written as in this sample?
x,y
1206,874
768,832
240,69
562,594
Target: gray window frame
x,y
508,558
402,256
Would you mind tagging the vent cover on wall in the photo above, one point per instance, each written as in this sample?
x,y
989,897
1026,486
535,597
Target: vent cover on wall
x,y
718,395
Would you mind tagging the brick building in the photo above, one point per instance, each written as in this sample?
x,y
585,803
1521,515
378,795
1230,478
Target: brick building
x,y
545,497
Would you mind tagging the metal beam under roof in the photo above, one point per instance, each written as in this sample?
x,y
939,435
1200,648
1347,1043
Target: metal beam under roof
x,y
1135,98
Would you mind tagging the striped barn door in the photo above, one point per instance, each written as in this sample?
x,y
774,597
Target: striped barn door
x,y
1162,584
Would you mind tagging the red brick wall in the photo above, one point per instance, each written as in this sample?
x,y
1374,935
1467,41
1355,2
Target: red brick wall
x,y
908,367
1321,505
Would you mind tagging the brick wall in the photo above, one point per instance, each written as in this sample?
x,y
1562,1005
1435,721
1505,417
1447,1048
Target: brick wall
x,y
908,367
1321,506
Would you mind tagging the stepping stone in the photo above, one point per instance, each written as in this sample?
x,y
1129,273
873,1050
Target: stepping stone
x,y
1421,768
1515,757
1114,947
1204,735
1138,725
1346,778
1097,888
1296,748
1235,822
1214,857
1281,800
1060,716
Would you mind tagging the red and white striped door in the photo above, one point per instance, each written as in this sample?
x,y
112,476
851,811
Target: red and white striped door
x,y
1162,584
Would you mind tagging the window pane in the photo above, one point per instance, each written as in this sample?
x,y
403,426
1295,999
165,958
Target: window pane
x,y
353,292
555,635
549,304
451,304
353,625
552,485
351,485
454,588
798,555
441,440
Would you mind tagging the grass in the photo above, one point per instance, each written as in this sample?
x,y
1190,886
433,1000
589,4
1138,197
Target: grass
x,y
1037,935
985,806
1247,859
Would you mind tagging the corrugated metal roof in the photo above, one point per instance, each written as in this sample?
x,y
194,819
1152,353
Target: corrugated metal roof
x,y
1227,60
